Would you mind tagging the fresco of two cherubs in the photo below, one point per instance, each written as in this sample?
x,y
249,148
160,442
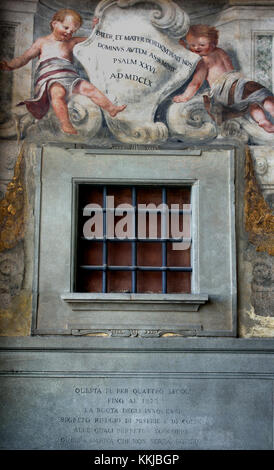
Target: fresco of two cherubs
x,y
56,77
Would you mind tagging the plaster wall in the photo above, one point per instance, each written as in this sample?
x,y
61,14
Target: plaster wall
x,y
238,23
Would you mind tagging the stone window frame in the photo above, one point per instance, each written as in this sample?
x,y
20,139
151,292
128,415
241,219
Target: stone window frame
x,y
90,313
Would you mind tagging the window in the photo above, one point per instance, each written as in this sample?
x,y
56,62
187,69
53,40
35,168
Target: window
x,y
121,282
130,239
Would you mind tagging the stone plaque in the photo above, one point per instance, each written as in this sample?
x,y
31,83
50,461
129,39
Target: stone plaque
x,y
135,413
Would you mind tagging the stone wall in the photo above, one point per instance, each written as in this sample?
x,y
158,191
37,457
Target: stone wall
x,y
27,19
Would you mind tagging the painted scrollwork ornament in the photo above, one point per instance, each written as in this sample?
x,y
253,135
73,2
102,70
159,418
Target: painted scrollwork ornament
x,y
190,122
168,16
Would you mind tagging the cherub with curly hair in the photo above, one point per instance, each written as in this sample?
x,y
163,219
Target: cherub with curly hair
x,y
228,87
56,77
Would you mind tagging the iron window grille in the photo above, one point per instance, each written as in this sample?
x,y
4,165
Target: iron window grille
x,y
169,272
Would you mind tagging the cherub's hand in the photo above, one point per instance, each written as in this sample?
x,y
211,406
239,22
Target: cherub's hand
x,y
183,43
180,99
95,21
4,66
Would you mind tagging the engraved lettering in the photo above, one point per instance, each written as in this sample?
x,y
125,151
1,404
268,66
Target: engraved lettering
x,y
132,416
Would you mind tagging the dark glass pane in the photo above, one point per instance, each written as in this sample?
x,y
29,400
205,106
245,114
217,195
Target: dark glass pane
x,y
90,194
89,281
149,282
178,282
149,254
91,253
121,195
119,281
178,196
146,195
119,254
178,257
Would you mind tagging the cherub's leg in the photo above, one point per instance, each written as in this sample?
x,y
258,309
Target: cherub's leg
x,y
257,113
58,101
268,104
88,89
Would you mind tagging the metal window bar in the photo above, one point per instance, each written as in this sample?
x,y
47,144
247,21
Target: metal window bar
x,y
164,243
130,240
105,246
134,243
89,267
134,268
152,211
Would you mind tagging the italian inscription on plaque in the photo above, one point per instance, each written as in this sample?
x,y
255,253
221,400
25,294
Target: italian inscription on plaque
x,y
134,57
131,417
136,413
127,416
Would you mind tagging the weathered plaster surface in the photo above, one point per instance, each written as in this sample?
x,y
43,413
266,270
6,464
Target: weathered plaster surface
x,y
16,263
255,270
253,325
16,319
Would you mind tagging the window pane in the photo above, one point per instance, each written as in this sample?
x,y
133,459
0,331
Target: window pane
x,y
91,253
149,254
119,281
178,282
121,195
149,282
90,194
89,281
149,195
119,253
178,196
178,257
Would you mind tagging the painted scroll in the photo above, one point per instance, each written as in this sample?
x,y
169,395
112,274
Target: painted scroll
x,y
134,56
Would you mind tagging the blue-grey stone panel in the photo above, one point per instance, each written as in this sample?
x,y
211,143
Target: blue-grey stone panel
x,y
74,412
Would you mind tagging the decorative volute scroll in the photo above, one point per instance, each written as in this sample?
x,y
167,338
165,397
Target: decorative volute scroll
x,y
12,208
134,57
169,18
259,219
85,116
190,122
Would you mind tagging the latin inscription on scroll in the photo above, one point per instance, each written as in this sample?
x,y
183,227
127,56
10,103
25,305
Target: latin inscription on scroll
x,y
135,58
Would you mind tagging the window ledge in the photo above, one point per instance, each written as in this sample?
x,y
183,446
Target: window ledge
x,y
179,302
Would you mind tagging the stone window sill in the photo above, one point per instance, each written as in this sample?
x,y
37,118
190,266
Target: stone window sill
x,y
126,301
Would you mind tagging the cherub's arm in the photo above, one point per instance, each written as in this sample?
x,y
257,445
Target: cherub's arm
x,y
199,77
17,62
77,40
226,59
